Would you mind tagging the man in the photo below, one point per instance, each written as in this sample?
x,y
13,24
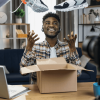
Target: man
x,y
51,47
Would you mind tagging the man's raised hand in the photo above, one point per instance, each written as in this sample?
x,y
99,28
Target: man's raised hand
x,y
31,39
71,41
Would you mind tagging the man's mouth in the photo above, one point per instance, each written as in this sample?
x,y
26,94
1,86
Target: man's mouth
x,y
51,30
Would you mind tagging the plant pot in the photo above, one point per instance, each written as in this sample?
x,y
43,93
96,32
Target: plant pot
x,y
18,20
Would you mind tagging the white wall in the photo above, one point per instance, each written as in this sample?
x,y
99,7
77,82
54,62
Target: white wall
x,y
4,29
35,19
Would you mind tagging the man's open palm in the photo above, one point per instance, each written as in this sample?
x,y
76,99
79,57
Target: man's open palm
x,y
31,40
71,41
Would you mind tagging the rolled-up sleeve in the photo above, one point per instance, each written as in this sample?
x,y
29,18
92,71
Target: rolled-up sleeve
x,y
28,58
74,59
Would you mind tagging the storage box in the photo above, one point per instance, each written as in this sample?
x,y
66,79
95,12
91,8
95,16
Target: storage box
x,y
21,35
54,75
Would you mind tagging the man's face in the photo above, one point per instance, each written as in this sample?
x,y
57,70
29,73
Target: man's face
x,y
51,27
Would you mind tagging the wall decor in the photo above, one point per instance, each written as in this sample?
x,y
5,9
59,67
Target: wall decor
x,y
3,17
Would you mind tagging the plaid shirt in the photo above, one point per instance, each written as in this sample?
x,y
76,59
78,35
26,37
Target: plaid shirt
x,y
42,51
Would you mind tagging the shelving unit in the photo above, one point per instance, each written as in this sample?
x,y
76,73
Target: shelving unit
x,y
14,38
80,42
90,24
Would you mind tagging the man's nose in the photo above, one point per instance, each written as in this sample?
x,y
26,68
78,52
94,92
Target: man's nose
x,y
51,25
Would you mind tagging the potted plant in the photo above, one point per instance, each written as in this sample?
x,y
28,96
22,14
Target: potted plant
x,y
19,14
96,15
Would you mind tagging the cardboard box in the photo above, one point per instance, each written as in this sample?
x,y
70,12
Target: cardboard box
x,y
20,34
54,75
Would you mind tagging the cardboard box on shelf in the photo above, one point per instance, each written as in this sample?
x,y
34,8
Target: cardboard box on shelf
x,y
20,34
54,75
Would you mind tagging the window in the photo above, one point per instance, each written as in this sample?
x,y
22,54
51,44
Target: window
x,y
35,19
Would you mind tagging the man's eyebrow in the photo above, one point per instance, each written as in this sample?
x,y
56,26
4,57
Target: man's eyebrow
x,y
55,21
47,21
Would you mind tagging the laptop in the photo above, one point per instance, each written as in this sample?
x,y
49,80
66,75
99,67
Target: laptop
x,y
9,91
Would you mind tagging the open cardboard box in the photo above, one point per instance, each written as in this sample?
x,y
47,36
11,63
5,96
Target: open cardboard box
x,y
54,75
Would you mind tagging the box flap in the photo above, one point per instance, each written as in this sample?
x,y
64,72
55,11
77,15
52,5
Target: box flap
x,y
29,69
59,60
77,67
52,63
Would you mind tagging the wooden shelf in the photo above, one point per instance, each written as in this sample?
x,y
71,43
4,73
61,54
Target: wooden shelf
x,y
12,38
6,38
90,24
20,38
92,6
15,39
14,24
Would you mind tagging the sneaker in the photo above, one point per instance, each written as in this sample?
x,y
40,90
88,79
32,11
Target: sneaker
x,y
70,5
37,5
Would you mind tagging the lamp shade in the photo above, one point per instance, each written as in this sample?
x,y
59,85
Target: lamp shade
x,y
3,2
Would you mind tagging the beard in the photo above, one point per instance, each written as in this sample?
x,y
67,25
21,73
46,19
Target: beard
x,y
49,36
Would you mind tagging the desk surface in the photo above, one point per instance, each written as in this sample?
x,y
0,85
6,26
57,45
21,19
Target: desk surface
x,y
84,92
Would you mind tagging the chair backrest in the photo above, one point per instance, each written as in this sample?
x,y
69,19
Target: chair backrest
x,y
79,52
11,59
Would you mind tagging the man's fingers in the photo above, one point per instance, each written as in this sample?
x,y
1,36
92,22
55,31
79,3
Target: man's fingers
x,y
36,39
66,40
72,35
28,34
68,36
75,36
32,33
35,36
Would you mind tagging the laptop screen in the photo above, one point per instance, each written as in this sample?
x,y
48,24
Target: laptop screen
x,y
3,84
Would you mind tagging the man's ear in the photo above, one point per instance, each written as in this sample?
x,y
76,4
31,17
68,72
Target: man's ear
x,y
59,29
42,28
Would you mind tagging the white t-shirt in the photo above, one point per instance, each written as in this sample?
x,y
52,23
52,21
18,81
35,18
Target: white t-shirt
x,y
52,52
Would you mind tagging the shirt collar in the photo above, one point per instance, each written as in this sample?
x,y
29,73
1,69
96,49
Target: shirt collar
x,y
56,46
